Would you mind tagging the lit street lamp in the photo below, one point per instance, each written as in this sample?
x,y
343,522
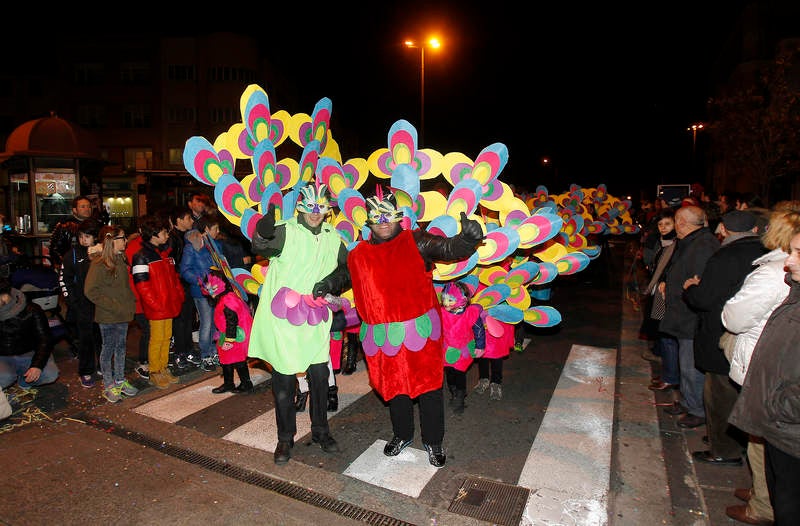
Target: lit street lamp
x,y
693,128
434,43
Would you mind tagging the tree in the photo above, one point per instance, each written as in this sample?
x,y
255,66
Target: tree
x,y
756,127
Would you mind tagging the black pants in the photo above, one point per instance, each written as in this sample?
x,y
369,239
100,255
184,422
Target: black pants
x,y
431,416
491,368
783,481
719,396
183,324
87,346
144,336
456,379
283,389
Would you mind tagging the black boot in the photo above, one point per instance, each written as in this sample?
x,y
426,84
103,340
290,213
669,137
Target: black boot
x,y
227,379
245,385
333,398
458,401
300,400
350,354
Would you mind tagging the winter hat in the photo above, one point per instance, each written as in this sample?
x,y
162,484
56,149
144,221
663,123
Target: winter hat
x,y
739,221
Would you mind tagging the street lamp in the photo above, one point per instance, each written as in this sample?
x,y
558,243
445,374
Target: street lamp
x,y
693,128
433,43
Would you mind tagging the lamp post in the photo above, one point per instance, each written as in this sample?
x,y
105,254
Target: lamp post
x,y
693,128
434,43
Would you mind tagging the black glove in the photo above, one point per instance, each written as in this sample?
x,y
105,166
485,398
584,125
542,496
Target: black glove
x,y
470,229
266,225
321,288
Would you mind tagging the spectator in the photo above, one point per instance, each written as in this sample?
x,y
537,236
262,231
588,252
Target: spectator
x,y
745,315
161,294
723,275
108,287
80,310
65,233
200,204
769,403
25,353
694,246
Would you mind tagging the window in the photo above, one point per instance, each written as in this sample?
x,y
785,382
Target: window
x,y
181,114
228,74
181,73
224,115
134,72
138,159
92,116
176,156
88,74
136,116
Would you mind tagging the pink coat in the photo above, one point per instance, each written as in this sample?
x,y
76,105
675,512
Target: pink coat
x,y
244,323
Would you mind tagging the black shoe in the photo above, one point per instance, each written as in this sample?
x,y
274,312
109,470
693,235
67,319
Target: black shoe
x,y
327,443
676,409
436,455
708,458
688,421
395,446
209,365
283,452
244,387
181,362
224,388
194,359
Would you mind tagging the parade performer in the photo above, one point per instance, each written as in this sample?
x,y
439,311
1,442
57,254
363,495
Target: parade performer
x,y
401,327
307,259
233,322
464,339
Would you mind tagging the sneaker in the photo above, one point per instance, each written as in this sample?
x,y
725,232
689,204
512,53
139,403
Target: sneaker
x,y
126,388
193,359
181,362
208,364
395,446
143,370
518,347
436,455
216,359
482,386
112,394
495,392
87,381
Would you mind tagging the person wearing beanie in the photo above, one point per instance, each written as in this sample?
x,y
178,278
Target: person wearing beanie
x,y
722,277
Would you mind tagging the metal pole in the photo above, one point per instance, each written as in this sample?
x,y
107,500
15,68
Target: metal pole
x,y
422,94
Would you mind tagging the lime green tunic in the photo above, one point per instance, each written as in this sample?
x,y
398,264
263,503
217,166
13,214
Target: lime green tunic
x,y
304,260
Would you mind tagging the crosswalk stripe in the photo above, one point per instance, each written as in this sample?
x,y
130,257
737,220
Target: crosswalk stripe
x,y
407,473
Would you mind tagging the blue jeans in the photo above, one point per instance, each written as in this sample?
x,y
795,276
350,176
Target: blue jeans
x,y
13,369
692,380
206,316
115,337
667,348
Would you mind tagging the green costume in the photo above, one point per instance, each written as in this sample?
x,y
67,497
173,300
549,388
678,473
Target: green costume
x,y
304,259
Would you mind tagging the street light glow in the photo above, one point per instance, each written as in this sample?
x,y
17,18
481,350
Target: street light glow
x,y
433,43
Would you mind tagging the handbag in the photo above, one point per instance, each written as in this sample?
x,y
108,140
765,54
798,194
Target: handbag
x,y
726,343
659,306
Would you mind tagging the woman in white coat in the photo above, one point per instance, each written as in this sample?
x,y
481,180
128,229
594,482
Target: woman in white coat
x,y
745,315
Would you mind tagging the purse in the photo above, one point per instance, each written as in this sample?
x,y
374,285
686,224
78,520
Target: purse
x,y
726,342
659,306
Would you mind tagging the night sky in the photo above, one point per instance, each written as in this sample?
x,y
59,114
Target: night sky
x,y
605,91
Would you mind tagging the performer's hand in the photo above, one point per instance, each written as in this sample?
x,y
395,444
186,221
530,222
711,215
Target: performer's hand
x,y
321,288
266,225
470,229
226,346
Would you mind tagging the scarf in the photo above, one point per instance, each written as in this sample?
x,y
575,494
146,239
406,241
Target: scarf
x,y
13,307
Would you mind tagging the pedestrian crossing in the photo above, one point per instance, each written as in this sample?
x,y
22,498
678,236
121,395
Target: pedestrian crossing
x,y
567,469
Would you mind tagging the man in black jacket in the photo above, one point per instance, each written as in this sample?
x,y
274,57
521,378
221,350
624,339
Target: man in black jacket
x,y
25,353
723,276
65,233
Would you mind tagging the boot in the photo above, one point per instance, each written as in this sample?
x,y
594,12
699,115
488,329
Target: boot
x,y
350,354
245,385
227,379
458,401
300,400
333,398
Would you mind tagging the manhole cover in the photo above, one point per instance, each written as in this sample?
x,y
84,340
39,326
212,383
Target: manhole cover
x,y
490,501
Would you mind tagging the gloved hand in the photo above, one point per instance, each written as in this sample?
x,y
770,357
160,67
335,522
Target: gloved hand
x,y
322,288
226,346
266,225
470,229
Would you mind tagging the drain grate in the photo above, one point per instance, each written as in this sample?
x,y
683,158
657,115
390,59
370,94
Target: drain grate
x,y
254,478
490,501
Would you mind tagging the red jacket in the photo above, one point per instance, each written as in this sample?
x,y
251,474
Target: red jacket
x,y
157,283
